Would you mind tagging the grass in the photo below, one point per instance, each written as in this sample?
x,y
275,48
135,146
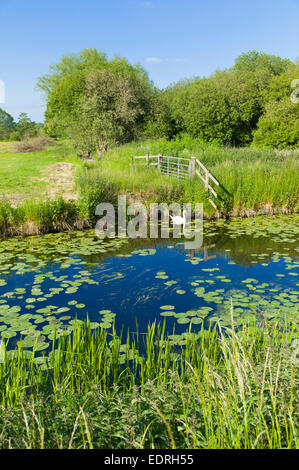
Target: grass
x,y
223,389
39,217
19,172
251,180
25,208
34,217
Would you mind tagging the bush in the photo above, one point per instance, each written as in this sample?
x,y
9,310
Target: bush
x,y
6,215
36,144
37,217
279,126
94,189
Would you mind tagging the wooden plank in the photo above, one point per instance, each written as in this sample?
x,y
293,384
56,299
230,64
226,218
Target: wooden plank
x,y
212,191
201,165
159,162
192,166
207,180
206,170
209,186
201,177
214,180
213,203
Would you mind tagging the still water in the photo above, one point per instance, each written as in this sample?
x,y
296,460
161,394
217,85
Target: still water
x,y
48,282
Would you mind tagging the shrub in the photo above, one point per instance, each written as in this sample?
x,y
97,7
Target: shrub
x,y
6,214
36,217
94,189
36,144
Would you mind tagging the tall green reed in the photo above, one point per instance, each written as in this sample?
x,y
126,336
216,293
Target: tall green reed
x,y
222,389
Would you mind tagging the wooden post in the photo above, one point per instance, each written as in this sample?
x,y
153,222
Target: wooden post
x,y
192,168
147,159
206,256
207,180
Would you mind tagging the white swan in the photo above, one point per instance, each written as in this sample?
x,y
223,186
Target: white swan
x,y
178,220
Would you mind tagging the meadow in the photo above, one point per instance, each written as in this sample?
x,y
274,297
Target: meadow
x,y
21,173
252,182
33,196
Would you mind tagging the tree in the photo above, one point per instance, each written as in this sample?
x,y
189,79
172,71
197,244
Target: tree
x,y
88,59
7,125
25,128
279,126
106,112
228,105
224,107
159,121
253,61
95,101
243,92
280,87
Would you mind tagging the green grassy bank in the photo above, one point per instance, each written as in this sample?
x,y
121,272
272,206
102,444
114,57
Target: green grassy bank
x,y
220,390
252,182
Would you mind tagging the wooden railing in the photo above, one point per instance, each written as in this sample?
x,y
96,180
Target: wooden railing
x,y
206,180
182,168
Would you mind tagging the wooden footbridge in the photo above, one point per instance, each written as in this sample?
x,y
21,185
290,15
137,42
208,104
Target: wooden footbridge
x,y
182,168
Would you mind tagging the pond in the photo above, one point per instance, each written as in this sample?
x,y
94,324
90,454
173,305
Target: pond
x,y
48,282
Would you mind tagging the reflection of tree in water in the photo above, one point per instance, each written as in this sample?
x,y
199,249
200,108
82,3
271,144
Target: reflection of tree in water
x,y
203,252
242,248
55,249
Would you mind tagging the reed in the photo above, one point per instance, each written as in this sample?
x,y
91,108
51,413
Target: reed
x,y
221,389
254,180
38,217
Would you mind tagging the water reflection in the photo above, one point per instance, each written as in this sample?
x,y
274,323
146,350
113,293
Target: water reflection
x,y
47,282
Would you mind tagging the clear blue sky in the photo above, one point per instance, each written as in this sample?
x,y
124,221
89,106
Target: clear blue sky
x,y
172,39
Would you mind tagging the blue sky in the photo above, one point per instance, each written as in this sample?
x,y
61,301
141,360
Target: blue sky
x,y
172,39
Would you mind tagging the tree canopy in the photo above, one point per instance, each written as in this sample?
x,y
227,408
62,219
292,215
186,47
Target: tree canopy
x,y
254,60
97,102
7,125
279,125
